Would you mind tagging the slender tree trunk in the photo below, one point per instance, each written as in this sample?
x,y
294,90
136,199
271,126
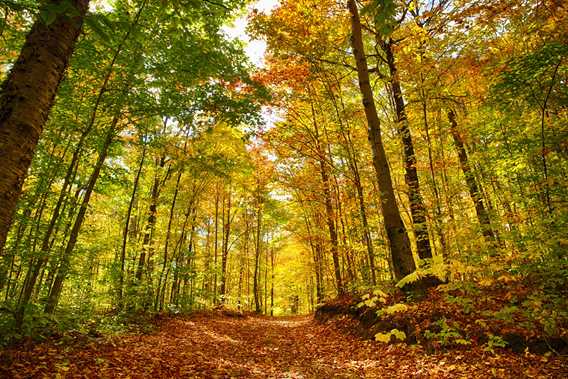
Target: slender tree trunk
x,y
354,167
27,96
186,261
482,178
266,252
168,234
216,244
22,226
366,229
257,254
481,211
65,261
352,275
437,208
445,181
330,220
55,261
315,253
243,259
178,251
272,281
329,211
127,225
146,253
417,208
206,277
247,278
403,262
225,251
542,140
37,266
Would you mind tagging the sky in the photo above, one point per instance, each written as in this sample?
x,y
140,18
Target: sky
x,y
254,48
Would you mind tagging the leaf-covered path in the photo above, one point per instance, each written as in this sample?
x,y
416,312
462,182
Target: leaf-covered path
x,y
215,346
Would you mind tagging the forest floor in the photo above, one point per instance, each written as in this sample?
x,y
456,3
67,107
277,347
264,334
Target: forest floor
x,y
213,345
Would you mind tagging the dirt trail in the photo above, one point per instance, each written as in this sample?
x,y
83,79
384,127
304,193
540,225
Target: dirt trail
x,y
214,346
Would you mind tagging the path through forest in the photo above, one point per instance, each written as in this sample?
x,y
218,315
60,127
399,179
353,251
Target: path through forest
x,y
215,346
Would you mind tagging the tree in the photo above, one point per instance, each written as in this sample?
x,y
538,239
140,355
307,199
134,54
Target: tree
x,y
403,262
28,93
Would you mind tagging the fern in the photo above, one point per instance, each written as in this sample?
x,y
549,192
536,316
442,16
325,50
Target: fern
x,y
398,335
438,270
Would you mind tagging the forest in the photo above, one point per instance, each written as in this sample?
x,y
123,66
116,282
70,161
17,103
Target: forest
x,y
378,190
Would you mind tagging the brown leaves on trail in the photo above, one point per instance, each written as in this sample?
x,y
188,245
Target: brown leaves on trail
x,y
215,346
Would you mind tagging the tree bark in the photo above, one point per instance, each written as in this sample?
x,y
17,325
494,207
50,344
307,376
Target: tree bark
x,y
157,304
216,244
243,260
330,221
257,253
225,250
314,247
417,208
152,217
65,259
354,167
329,211
266,277
127,226
37,266
272,282
403,262
437,207
178,252
26,98
474,193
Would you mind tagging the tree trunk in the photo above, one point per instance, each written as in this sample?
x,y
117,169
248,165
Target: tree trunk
x,y
354,167
417,208
257,255
225,250
314,247
178,251
266,276
329,211
42,188
127,225
37,266
26,98
403,262
330,220
206,287
272,282
347,249
437,207
152,217
157,302
482,214
216,244
65,259
243,260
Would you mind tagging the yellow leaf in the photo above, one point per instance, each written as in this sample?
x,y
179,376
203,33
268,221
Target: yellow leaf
x,y
398,334
412,6
396,308
383,337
